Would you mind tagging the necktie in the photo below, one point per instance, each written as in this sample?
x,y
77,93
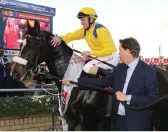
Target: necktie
x,y
122,81
126,66
124,74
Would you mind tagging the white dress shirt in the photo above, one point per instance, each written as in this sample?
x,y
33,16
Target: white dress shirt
x,y
130,70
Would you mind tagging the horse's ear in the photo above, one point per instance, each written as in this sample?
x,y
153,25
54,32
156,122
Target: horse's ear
x,y
28,25
37,26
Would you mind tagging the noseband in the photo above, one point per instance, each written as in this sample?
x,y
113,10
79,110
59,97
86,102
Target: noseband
x,y
30,67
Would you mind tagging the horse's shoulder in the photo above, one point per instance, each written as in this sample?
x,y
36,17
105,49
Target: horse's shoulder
x,y
161,71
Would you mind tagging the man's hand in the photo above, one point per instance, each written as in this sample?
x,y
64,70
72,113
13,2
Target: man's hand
x,y
55,41
29,84
121,96
86,53
66,81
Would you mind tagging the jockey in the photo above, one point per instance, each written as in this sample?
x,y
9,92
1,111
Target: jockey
x,y
97,37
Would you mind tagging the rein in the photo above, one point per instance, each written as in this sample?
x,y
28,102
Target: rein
x,y
109,90
112,93
91,87
96,59
38,47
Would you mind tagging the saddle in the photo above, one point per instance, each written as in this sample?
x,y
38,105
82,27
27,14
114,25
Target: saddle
x,y
101,73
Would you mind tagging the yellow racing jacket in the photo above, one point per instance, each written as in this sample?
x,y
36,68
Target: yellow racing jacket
x,y
98,38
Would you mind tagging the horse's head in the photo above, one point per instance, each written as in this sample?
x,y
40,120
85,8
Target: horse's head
x,y
36,48
32,51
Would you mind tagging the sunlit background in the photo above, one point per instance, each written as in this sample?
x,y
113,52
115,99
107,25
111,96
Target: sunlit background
x,y
146,20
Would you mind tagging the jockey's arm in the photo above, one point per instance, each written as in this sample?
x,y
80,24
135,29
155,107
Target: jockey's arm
x,y
76,35
105,40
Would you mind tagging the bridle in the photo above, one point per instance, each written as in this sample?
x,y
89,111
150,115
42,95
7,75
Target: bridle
x,y
30,67
40,45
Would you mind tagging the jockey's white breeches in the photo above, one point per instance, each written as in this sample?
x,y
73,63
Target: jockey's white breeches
x,y
111,59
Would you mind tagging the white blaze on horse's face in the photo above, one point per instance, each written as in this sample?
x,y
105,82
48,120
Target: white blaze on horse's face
x,y
19,60
24,42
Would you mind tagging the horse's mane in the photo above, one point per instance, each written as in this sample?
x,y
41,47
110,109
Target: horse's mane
x,y
162,72
57,58
162,77
47,32
63,46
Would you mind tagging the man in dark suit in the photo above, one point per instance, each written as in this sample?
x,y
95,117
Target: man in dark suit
x,y
135,82
6,81
3,73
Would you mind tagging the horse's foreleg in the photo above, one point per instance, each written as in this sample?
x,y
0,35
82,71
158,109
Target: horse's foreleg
x,y
89,123
71,117
72,124
106,124
75,104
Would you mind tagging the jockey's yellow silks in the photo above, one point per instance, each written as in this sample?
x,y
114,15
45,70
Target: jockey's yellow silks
x,y
101,46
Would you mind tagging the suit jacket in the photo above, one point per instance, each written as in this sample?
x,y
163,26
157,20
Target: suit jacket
x,y
142,86
1,76
7,66
2,69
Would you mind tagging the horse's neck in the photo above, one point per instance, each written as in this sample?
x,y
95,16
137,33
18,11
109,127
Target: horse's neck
x,y
162,77
70,68
162,73
75,67
63,62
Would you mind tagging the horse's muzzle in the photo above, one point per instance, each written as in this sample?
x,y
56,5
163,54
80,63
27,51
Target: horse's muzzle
x,y
15,76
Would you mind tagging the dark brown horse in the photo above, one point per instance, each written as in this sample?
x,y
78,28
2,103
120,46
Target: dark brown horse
x,y
86,107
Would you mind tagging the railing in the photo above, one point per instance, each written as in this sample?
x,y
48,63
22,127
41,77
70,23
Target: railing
x,y
45,88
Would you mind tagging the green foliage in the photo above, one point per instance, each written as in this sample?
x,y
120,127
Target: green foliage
x,y
24,106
